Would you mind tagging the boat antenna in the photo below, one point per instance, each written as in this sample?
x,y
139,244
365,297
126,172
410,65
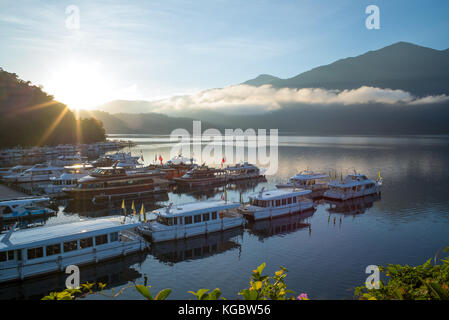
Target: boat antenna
x,y
167,209
261,191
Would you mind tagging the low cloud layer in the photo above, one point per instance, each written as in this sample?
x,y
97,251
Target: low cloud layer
x,y
248,99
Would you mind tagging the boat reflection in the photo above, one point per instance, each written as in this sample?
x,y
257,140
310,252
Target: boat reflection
x,y
280,226
171,252
92,210
352,207
113,273
204,193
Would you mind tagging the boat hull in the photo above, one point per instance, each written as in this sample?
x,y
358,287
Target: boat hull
x,y
193,230
46,266
333,195
258,213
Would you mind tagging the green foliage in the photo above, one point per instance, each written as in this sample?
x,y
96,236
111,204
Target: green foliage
x,y
72,294
423,282
29,117
144,291
263,287
204,294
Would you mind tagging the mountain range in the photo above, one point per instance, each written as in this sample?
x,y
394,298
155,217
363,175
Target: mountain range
x,y
403,69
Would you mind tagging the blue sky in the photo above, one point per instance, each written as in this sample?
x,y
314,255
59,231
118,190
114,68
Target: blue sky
x,y
153,49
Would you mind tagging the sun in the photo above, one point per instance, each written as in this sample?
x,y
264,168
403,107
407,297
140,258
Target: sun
x,y
79,85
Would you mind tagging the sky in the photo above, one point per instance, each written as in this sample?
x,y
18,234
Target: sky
x,y
151,50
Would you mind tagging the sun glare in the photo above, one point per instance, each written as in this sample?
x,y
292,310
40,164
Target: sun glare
x,y
79,85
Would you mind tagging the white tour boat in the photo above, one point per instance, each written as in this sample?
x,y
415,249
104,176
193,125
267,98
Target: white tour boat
x,y
51,248
309,180
68,179
69,160
353,186
39,172
278,202
243,171
192,219
24,208
14,172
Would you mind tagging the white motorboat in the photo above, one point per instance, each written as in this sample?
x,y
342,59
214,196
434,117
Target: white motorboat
x,y
51,248
192,219
24,208
353,186
309,180
68,179
14,172
243,171
39,172
278,202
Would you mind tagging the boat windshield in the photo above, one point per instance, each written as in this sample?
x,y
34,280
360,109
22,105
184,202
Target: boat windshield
x,y
165,220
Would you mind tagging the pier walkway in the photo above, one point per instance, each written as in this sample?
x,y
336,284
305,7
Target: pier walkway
x,y
7,193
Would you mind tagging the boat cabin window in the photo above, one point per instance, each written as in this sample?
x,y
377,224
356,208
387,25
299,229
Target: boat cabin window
x,y
197,218
188,220
289,200
5,209
6,255
70,246
99,240
53,249
284,202
278,203
214,215
113,236
86,243
206,216
294,199
35,253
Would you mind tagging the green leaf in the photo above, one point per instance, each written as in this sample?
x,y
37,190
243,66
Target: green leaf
x,y
163,294
144,291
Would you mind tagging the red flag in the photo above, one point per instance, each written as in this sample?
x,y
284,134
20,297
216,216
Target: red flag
x,y
160,158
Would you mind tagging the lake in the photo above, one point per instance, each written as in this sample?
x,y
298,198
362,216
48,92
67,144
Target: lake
x,y
326,251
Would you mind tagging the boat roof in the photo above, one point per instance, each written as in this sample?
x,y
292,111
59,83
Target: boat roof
x,y
310,176
23,201
351,180
278,194
47,234
196,207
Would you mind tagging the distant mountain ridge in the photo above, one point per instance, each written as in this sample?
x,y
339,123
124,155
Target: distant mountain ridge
x,y
406,66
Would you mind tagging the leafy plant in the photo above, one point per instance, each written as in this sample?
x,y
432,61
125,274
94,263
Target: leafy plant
x,y
423,282
263,287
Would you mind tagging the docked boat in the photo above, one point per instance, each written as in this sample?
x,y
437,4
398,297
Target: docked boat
x,y
68,179
51,248
243,171
37,173
109,183
69,160
309,180
202,176
24,208
192,219
278,202
353,186
12,173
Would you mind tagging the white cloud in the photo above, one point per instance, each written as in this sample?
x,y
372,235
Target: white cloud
x,y
249,99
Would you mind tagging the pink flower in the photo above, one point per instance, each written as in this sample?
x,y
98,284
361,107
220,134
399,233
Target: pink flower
x,y
302,296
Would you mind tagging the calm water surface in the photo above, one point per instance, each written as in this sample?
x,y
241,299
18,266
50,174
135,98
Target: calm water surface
x,y
326,251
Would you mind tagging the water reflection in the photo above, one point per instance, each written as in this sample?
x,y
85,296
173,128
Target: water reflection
x,y
352,207
201,247
114,273
264,229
